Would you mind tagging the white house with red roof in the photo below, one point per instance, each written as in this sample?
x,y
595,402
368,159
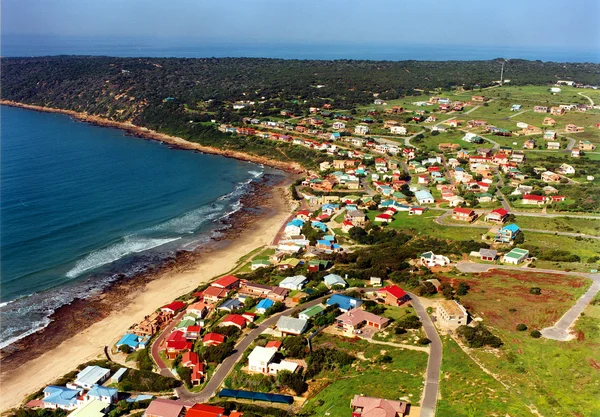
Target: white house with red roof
x,y
383,218
213,339
497,216
177,343
214,294
173,307
538,200
228,282
464,214
234,320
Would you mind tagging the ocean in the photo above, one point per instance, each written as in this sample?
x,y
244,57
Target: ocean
x,y
82,204
17,45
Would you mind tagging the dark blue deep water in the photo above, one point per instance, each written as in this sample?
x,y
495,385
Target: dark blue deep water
x,y
81,203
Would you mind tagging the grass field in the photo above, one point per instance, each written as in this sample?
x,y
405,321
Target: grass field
x,y
430,142
560,224
400,379
557,378
467,391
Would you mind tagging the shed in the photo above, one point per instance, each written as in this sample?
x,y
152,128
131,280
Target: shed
x,y
118,376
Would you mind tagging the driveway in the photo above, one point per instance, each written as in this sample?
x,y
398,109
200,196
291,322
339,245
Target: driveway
x,y
434,364
162,366
560,331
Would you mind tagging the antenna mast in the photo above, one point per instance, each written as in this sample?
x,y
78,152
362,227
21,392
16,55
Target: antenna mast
x,y
502,74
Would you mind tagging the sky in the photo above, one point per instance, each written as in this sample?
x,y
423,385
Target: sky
x,y
543,23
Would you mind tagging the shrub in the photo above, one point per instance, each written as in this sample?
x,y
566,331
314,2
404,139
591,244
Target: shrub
x,y
535,290
535,334
463,288
125,349
423,341
476,337
521,327
295,346
293,381
410,322
386,359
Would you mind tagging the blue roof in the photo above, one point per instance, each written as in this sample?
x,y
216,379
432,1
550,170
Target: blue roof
x,y
141,397
130,340
511,227
323,242
336,134
319,225
264,304
61,395
344,302
423,195
100,391
230,304
296,222
329,237
329,206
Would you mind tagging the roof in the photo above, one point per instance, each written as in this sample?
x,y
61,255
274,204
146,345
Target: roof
x,y
517,253
295,280
101,391
394,291
511,227
164,408
205,410
91,375
94,408
313,311
500,211
213,337
61,395
534,197
291,324
215,292
333,279
488,253
225,281
423,195
463,210
265,303
355,317
261,354
235,319
344,302
230,304
378,407
174,306
452,308
274,344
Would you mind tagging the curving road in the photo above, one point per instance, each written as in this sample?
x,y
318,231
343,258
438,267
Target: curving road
x,y
434,363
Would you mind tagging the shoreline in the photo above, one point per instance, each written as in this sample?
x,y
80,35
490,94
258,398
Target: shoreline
x,y
53,351
149,134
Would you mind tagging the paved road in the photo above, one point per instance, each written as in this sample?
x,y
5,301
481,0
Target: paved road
x,y
227,365
591,101
560,330
162,366
434,364
570,145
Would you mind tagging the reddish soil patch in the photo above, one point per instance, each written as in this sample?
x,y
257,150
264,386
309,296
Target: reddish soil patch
x,y
595,364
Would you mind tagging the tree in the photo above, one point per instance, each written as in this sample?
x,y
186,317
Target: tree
x,y
275,308
520,238
535,334
426,288
535,290
463,288
295,346
125,349
521,327
410,322
423,341
293,381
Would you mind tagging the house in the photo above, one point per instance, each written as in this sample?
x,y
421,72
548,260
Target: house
x,y
540,109
488,254
393,295
173,307
377,407
575,152
549,135
549,176
293,283
357,217
383,218
230,305
106,395
332,280
91,408
205,410
118,376
234,320
311,312
429,259
533,199
90,376
398,130
214,294
478,99
352,320
554,146
344,302
316,265
361,129
424,197
289,325
134,341
515,256
497,216
339,125
557,111
259,359
162,407
508,233
549,121
263,305
176,343
376,281
60,397
260,263
586,145
464,214
516,107
254,289
416,211
294,227
558,198
451,314
566,169
213,339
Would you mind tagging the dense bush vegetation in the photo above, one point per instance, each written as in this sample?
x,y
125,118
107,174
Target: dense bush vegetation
x,y
480,336
327,359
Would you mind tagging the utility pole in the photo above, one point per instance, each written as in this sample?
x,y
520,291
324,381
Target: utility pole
x,y
502,74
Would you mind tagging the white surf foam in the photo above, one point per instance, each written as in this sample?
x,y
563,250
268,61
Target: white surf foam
x,y
130,244
188,222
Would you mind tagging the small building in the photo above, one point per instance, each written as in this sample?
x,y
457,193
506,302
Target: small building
x,y
464,214
332,280
508,233
353,320
376,281
90,376
361,129
429,259
294,283
107,395
93,408
213,339
515,256
311,312
516,107
450,313
489,255
60,397
260,263
234,320
377,407
289,325
263,305
162,407
118,376
533,199
134,341
393,295
344,302
424,197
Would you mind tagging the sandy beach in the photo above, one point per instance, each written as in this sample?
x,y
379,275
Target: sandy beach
x,y
23,376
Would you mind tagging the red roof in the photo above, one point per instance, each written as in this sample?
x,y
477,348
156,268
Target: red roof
x,y
190,359
274,344
195,329
483,184
433,169
235,319
176,336
558,197
204,410
213,337
215,292
383,216
174,306
394,290
303,212
348,223
227,281
463,210
534,197
500,211
417,208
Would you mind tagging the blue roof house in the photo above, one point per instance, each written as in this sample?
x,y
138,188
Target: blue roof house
x,y
508,233
134,341
263,305
424,197
319,225
333,279
60,397
105,394
344,302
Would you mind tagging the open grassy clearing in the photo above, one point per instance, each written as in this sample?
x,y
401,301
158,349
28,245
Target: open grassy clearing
x,y
530,95
560,224
466,390
400,379
558,378
431,143
583,247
